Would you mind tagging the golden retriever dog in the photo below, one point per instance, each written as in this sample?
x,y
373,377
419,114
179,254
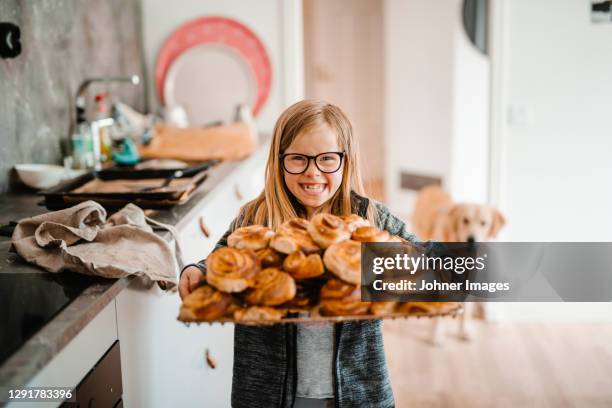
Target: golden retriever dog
x,y
436,217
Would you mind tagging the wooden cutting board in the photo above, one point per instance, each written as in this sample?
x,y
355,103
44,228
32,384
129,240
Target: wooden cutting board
x,y
230,142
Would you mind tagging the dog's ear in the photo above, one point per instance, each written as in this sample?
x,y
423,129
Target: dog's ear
x,y
450,232
498,222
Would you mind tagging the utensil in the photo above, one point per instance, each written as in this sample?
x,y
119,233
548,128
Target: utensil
x,y
178,174
176,116
167,181
40,176
143,171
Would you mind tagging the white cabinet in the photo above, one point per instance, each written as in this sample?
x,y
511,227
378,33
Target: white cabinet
x,y
163,360
252,182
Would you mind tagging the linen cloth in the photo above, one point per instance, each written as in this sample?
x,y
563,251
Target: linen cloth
x,y
81,239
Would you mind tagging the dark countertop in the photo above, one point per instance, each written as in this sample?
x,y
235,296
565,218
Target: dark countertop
x,y
82,297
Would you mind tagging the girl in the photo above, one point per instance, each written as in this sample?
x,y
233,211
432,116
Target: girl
x,y
312,167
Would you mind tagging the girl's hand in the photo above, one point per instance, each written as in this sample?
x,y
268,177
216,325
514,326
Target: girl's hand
x,y
190,280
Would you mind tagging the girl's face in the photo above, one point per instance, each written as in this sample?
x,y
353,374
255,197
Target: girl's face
x,y
313,188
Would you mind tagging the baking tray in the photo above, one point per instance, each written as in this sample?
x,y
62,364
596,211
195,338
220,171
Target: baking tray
x,y
130,172
313,316
63,195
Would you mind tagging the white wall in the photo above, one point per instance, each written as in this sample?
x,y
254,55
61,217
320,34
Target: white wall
x,y
418,83
470,117
552,140
343,53
278,23
436,101
555,132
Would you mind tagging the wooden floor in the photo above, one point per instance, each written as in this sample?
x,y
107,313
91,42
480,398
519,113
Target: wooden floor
x,y
505,365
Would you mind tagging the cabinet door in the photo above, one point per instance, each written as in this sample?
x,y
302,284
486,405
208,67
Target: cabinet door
x,y
163,360
252,183
196,242
209,224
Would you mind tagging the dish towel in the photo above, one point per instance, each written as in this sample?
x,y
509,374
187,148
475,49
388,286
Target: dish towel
x,y
81,239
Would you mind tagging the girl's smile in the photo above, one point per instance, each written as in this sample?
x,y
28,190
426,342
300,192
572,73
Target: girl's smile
x,y
313,189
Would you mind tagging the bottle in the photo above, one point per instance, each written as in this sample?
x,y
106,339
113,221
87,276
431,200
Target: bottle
x,y
104,132
82,147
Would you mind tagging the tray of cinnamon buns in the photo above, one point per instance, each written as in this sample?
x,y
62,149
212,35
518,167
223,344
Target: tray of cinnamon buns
x,y
306,271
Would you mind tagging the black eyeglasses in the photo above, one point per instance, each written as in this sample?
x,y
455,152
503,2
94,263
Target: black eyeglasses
x,y
328,162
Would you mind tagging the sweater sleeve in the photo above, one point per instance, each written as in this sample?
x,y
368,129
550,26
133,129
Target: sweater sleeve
x,y
201,265
392,224
395,226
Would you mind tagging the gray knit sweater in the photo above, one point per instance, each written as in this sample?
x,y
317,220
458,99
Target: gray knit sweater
x,y
265,369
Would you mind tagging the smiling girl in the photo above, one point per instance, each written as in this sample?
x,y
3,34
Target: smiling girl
x,y
312,167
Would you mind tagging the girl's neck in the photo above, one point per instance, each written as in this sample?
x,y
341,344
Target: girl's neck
x,y
310,212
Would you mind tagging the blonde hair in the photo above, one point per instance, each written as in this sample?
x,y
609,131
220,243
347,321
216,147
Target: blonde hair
x,y
276,204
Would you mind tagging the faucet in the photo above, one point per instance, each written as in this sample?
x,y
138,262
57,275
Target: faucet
x,y
80,102
81,105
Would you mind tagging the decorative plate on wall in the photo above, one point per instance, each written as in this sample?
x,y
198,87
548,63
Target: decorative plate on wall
x,y
210,65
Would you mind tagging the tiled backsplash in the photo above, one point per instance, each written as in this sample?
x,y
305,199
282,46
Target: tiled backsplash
x,y
63,42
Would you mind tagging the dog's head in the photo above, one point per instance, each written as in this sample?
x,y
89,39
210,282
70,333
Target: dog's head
x,y
473,223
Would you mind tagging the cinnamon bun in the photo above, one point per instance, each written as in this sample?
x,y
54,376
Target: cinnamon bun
x,y
304,299
328,229
206,303
382,308
354,221
293,236
252,237
344,261
258,313
339,298
269,258
271,287
232,270
301,266
370,234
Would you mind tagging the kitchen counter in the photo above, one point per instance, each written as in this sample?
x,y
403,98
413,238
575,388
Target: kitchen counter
x,y
90,295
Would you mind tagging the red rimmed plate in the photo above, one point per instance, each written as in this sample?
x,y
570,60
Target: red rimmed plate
x,y
211,64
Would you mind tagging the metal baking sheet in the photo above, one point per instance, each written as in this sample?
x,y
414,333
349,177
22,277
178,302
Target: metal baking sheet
x,y
130,172
314,317
64,196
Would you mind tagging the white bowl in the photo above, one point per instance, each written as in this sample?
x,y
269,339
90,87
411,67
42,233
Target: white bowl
x,y
41,176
